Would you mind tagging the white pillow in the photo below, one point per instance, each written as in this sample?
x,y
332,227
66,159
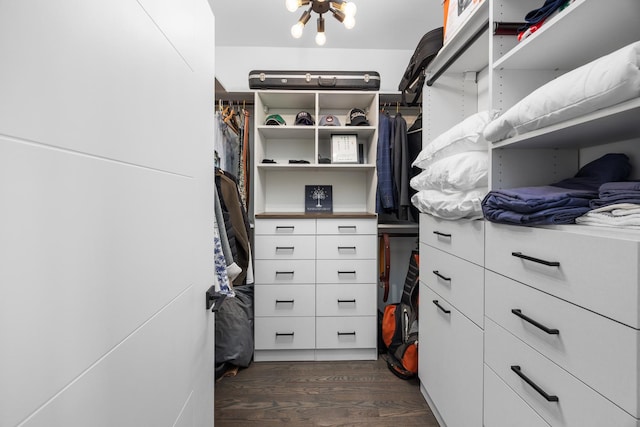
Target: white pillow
x,y
463,171
601,83
465,136
464,204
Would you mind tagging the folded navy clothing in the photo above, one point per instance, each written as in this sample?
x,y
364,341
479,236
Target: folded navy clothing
x,y
562,215
610,167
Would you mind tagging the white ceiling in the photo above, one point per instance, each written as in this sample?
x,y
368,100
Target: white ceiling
x,y
380,24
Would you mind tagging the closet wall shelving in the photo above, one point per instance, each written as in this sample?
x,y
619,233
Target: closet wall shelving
x,y
592,297
315,274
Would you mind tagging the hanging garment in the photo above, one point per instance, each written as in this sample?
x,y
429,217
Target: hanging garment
x,y
384,198
401,167
222,284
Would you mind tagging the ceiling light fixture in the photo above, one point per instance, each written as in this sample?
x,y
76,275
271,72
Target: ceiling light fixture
x,y
343,11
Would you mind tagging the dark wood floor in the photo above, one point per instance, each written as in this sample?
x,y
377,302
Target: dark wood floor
x,y
355,393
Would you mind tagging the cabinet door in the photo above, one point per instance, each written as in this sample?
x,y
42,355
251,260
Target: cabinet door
x,y
451,360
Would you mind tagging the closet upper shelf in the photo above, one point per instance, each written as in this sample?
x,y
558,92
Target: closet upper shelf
x,y
462,53
616,123
576,36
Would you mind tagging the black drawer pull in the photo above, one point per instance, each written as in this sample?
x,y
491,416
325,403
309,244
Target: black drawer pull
x,y
518,371
346,333
285,248
340,301
344,248
438,233
285,227
538,260
437,273
284,272
550,331
284,301
350,227
444,310
347,272
284,334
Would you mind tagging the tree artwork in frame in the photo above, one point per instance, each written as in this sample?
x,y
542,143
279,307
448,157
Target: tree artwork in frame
x,y
318,199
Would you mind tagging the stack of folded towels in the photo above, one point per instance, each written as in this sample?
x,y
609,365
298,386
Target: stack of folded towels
x,y
454,174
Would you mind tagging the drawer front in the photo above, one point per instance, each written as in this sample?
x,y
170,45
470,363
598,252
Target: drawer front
x,y
348,271
284,272
599,351
357,299
285,300
284,333
504,408
463,238
450,365
576,405
285,226
458,281
284,247
347,226
346,332
594,272
346,247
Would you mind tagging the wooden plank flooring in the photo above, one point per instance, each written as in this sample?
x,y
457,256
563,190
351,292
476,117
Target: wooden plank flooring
x,y
354,393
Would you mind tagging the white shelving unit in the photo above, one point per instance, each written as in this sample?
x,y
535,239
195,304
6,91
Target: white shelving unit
x,y
591,364
315,274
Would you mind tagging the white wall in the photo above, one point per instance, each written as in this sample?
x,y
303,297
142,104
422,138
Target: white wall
x,y
234,63
106,213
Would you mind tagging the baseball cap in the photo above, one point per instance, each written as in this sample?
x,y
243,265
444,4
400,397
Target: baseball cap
x,y
304,118
275,119
357,117
329,120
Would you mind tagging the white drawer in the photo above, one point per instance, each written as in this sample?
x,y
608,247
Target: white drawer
x,y
346,332
463,238
284,300
358,299
346,247
504,408
599,351
288,272
598,272
450,365
285,226
349,271
284,247
576,405
283,333
347,226
458,281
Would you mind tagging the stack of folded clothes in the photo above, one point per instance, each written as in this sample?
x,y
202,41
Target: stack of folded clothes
x,y
617,205
558,203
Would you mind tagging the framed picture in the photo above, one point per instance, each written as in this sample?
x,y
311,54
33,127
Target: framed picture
x,y
344,149
318,199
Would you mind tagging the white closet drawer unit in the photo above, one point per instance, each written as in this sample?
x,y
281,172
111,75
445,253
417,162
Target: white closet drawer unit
x,y
285,333
285,300
451,360
503,407
277,271
358,299
458,281
560,398
349,271
285,226
599,351
284,247
346,247
346,332
588,268
463,238
347,226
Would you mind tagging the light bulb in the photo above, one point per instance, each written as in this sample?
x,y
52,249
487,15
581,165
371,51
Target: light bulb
x,y
321,39
350,9
292,5
296,30
349,22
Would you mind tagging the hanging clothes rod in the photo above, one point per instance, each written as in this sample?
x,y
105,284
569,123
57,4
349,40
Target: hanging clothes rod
x,y
458,53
